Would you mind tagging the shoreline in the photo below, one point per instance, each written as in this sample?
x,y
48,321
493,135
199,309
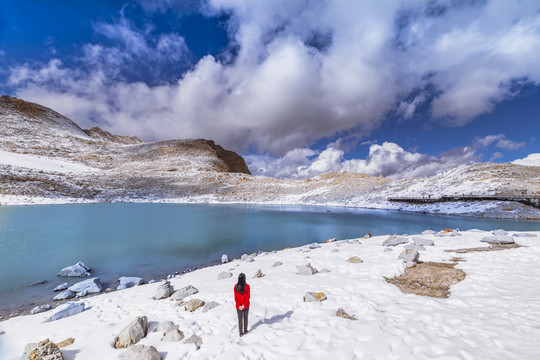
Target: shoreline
x,y
387,316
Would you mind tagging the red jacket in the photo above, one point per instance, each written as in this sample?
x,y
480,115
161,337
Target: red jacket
x,y
242,299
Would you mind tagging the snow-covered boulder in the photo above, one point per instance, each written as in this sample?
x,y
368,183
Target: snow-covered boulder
x,y
423,242
79,269
414,247
61,287
410,257
142,352
194,339
224,275
173,335
165,326
40,309
306,269
498,239
395,240
209,306
132,333
163,291
247,258
499,232
66,294
314,246
184,292
66,310
314,296
224,259
91,286
127,282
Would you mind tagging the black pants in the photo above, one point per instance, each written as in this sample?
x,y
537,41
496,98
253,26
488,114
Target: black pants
x,y
242,320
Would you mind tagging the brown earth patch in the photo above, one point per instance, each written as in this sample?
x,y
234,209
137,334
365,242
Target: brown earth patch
x,y
488,248
429,279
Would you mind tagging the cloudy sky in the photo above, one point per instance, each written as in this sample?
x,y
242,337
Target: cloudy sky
x,y
399,88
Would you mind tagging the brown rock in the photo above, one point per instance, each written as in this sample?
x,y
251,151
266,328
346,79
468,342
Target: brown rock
x,y
343,314
44,350
65,343
194,304
355,260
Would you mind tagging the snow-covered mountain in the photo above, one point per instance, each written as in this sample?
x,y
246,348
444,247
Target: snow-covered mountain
x,y
46,157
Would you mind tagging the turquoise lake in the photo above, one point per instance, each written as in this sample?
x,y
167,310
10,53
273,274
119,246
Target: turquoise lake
x,y
153,240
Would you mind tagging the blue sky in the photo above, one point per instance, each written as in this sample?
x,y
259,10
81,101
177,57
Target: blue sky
x,y
297,87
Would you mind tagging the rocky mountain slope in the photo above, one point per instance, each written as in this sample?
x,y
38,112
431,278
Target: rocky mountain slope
x,y
46,157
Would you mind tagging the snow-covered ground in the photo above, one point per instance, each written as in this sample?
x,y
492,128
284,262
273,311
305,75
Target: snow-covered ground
x,y
42,163
493,314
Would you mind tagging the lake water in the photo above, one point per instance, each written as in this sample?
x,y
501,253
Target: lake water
x,y
153,240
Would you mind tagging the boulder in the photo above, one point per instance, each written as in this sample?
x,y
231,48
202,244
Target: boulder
x,y
127,282
40,309
395,240
163,291
184,292
174,335
343,314
247,258
410,257
92,286
66,310
498,239
277,263
209,306
355,260
64,343
414,247
258,274
499,232
61,287
79,270
423,242
194,339
428,232
224,259
194,304
165,326
132,333
314,296
142,352
44,350
67,294
523,235
306,269
314,246
224,275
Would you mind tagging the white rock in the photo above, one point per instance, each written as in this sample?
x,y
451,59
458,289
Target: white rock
x,y
414,247
40,309
277,263
499,232
423,242
66,310
247,258
428,232
224,259
67,294
410,257
142,352
306,269
224,275
132,333
395,240
173,336
127,282
163,291
79,269
194,339
184,292
165,326
314,246
314,297
92,286
498,239
209,306
61,287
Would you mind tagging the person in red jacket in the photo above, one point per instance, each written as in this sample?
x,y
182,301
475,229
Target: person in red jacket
x,y
241,297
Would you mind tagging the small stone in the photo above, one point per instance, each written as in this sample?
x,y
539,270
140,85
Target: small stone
x,y
194,304
78,270
395,240
330,240
163,291
127,282
367,236
184,292
173,335
65,343
38,282
354,241
428,232
224,259
499,232
314,297
314,246
247,258
277,263
44,350
209,306
132,333
324,270
343,314
194,339
142,352
224,275
498,239
422,242
61,287
259,274
64,295
40,309
306,269
165,326
355,260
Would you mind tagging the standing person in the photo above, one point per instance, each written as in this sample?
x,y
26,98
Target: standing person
x,y
241,297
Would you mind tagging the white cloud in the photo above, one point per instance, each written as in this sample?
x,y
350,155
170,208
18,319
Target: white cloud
x,y
529,160
500,141
388,159
303,71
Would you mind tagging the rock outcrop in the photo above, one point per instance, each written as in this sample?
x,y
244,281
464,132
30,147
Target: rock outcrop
x,y
132,333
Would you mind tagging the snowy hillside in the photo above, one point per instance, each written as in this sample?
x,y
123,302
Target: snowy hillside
x,y
45,157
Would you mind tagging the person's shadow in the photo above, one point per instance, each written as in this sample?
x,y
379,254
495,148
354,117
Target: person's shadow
x,y
274,319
